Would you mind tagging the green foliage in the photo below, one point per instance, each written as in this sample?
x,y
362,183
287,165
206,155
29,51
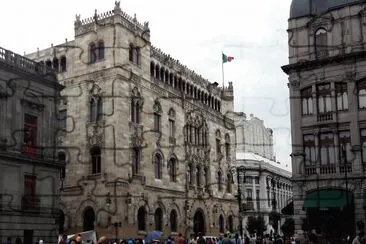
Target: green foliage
x,y
288,228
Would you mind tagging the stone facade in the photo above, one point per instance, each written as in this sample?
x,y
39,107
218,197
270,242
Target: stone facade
x,y
139,135
265,185
29,173
253,137
326,83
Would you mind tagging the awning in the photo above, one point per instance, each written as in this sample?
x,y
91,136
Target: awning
x,y
329,198
289,209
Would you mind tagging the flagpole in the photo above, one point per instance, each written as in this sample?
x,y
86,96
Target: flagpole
x,y
223,77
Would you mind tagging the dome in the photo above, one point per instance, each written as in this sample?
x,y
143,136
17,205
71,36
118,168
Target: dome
x,y
301,8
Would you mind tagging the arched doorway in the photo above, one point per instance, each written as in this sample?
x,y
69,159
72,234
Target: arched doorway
x,y
61,222
159,219
89,218
221,224
141,219
199,222
230,224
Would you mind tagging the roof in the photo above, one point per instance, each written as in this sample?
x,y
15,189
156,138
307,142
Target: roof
x,y
302,8
255,157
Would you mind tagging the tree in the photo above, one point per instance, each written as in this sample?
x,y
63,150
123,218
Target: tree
x,y
274,218
288,228
256,225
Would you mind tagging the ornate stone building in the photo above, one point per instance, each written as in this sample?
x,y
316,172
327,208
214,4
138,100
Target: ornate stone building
x,y
265,184
29,171
327,86
149,143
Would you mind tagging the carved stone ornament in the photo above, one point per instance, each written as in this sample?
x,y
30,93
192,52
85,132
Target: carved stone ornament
x,y
321,21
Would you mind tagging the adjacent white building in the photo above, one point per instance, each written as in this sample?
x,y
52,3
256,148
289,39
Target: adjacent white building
x,y
265,184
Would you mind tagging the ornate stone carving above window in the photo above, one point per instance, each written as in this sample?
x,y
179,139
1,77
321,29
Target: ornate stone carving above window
x,y
326,22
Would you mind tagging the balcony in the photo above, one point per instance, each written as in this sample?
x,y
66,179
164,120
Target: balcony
x,y
31,204
310,170
345,168
323,117
328,169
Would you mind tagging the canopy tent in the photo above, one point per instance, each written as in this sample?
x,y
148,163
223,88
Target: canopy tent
x,y
327,198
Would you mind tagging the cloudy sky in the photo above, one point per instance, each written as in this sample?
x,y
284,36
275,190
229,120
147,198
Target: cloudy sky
x,y
194,32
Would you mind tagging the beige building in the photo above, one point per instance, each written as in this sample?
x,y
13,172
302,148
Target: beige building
x,y
29,173
146,140
327,86
265,184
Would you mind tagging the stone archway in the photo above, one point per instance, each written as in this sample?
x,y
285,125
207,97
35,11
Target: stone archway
x,y
88,219
199,222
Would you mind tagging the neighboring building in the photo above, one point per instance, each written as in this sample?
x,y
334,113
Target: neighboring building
x,y
327,85
147,143
29,173
265,184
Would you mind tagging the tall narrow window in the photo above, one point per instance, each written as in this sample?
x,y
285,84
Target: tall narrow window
x,y
327,153
30,134
171,128
219,180
198,176
141,219
99,109
218,146
62,119
307,101
342,96
309,149
158,166
321,43
93,110
173,221
101,50
227,146
63,64
135,111
157,116
229,181
96,160
258,200
62,158
135,160
363,145
173,169
324,98
55,65
361,88
207,178
345,141
249,197
158,219
190,175
93,53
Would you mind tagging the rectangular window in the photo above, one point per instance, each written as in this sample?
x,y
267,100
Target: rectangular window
x,y
309,149
30,134
62,119
249,194
363,144
327,152
307,101
361,89
256,179
324,98
227,149
342,96
218,146
269,198
258,200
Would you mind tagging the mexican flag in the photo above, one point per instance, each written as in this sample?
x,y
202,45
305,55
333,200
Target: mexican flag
x,y
226,59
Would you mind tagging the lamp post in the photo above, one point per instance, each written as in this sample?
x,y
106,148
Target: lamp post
x,y
238,174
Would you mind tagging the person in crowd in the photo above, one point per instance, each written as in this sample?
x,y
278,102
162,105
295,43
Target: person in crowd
x,y
200,239
226,239
103,240
179,239
360,238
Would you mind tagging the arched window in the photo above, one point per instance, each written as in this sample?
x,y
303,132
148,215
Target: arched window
x,y
173,221
321,43
136,106
92,53
55,64
88,219
219,180
307,101
63,64
171,123
101,50
158,166
141,219
96,159
221,224
173,169
158,219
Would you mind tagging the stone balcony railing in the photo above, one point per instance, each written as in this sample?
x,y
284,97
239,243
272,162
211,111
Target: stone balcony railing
x,y
322,117
328,169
